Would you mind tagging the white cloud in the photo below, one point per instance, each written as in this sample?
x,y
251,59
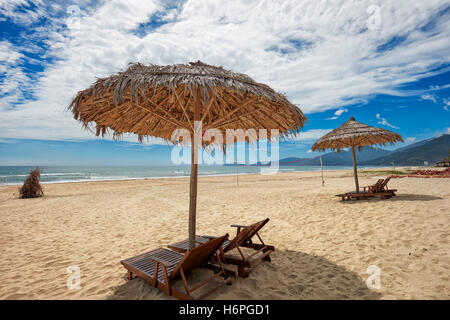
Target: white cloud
x,y
340,111
337,114
429,97
310,135
319,53
384,122
446,104
24,16
410,140
435,99
14,79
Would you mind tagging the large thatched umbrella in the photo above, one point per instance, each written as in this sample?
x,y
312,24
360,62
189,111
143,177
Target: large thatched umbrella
x,y
353,134
156,100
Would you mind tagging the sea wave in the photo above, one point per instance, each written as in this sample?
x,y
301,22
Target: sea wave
x,y
46,174
108,174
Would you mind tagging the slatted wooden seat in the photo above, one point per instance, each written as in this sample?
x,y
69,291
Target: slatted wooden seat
x,y
160,266
183,246
244,234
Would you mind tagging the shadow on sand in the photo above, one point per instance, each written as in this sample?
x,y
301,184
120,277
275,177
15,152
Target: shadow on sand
x,y
398,197
414,197
290,275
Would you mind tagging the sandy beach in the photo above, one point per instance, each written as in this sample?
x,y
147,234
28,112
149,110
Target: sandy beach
x,y
323,246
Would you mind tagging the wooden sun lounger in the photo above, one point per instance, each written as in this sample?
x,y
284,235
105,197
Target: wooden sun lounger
x,y
384,188
379,189
161,266
243,238
373,187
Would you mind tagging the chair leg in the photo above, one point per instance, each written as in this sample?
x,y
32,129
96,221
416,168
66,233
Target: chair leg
x,y
226,272
130,275
241,272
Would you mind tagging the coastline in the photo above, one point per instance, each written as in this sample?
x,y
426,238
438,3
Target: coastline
x,y
294,170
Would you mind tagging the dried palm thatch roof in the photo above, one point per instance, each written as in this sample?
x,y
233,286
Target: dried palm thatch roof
x,y
354,133
155,100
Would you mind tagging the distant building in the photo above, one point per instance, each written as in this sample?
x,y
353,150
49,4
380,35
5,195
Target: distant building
x,y
444,162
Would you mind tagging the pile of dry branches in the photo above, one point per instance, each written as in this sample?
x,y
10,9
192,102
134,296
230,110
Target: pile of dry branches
x,y
31,187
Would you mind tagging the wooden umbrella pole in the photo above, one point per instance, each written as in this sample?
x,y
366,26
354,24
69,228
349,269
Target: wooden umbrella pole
x,y
193,197
355,170
194,175
321,167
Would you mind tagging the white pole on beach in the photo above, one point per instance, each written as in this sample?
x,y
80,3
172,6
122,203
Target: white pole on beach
x,y
237,174
321,167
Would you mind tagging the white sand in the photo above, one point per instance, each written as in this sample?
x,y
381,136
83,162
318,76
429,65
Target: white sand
x,y
324,246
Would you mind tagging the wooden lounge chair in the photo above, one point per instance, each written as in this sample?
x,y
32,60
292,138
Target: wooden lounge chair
x,y
161,266
379,189
244,234
384,188
373,187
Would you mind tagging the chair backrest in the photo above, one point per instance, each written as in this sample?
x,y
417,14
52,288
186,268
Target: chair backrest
x,y
385,182
199,255
376,186
245,234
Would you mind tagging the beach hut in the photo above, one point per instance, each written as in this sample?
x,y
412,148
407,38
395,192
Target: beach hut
x,y
353,134
154,101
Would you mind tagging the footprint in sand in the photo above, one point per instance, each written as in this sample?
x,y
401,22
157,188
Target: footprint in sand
x,y
416,266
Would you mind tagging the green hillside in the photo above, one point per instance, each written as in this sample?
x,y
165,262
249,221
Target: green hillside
x,y
432,151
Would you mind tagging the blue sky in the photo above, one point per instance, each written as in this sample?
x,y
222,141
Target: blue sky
x,y
385,63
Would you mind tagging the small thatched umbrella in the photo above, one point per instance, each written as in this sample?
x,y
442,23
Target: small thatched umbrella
x,y
353,134
156,100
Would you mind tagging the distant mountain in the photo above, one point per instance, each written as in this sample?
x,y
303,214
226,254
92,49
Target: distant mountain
x,y
414,145
431,150
343,158
292,161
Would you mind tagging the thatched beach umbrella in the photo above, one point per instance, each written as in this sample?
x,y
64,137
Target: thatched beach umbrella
x,y
156,100
353,134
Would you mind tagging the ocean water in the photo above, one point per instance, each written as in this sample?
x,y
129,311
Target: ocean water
x,y
16,175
